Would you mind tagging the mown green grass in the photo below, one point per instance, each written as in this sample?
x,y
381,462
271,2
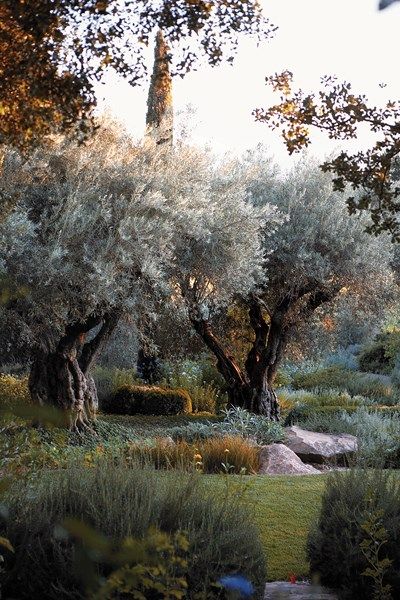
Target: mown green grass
x,y
283,507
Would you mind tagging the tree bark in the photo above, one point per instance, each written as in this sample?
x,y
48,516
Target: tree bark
x,y
62,379
253,388
251,393
148,366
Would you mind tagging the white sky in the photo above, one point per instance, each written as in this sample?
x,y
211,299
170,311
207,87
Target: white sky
x,y
348,38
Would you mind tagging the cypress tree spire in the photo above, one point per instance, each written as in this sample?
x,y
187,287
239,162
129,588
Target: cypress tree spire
x,y
159,118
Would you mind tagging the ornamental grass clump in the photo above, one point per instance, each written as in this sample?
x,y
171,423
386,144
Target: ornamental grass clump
x,y
230,455
354,546
120,501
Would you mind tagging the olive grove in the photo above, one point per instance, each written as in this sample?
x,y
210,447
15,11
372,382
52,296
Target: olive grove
x,y
106,230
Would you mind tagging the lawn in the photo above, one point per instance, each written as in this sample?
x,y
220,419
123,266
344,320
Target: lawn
x,y
284,508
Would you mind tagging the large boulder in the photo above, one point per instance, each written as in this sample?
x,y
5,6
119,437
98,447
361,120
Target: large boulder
x,y
278,459
315,447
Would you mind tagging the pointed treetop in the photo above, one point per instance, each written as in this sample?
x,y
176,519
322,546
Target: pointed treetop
x,y
159,118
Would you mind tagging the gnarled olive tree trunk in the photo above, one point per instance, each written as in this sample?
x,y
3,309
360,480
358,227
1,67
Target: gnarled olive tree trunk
x,y
253,387
61,378
252,390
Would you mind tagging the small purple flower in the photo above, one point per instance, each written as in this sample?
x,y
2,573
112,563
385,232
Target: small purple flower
x,y
237,583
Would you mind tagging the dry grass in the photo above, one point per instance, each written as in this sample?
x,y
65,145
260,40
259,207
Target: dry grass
x,y
229,454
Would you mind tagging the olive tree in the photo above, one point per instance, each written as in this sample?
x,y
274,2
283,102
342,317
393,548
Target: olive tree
x,y
108,230
317,255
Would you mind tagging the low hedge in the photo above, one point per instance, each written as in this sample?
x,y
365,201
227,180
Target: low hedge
x,y
355,383
148,400
299,414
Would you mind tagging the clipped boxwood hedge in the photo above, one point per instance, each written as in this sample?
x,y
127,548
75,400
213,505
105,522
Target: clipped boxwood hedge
x,y
302,413
148,400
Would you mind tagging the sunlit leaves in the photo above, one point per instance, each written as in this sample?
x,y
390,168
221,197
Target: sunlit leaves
x,y
52,52
339,112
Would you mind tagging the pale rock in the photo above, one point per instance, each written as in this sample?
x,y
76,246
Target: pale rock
x,y
315,447
278,459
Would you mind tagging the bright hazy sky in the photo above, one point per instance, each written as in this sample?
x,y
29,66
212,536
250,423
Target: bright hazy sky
x,y
348,38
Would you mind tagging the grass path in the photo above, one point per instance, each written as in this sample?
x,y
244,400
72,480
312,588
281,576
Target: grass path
x,y
283,507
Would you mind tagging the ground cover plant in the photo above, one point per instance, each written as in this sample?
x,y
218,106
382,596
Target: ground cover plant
x,y
233,421
377,432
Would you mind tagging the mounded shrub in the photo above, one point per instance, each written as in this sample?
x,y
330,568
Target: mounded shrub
x,y
358,526
148,400
354,382
13,390
118,502
380,355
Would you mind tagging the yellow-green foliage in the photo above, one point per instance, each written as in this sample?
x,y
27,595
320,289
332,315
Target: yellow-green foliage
x,y
24,449
108,380
156,565
354,382
282,379
13,390
215,455
201,380
149,400
205,398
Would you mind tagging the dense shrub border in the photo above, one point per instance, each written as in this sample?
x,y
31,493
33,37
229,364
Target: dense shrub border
x,y
148,400
301,413
355,383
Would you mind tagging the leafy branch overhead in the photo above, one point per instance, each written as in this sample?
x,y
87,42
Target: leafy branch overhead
x,y
338,111
53,51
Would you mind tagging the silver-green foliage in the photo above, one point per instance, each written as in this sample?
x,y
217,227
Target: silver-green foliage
x,y
120,501
115,226
236,421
